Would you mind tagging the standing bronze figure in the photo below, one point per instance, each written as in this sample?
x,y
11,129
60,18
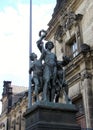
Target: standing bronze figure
x,y
48,74
49,69
36,68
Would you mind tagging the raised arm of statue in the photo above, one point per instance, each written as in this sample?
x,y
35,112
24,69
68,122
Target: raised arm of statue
x,y
40,43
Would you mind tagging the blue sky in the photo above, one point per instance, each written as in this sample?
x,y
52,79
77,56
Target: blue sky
x,y
14,42
14,36
39,2
12,3
41,15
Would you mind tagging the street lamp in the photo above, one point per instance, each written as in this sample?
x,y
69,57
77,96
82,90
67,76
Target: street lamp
x,y
30,50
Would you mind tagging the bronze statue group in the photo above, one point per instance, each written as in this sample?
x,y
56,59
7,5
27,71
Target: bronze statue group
x,y
48,74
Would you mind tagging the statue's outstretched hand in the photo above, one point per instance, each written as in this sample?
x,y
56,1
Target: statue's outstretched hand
x,y
42,34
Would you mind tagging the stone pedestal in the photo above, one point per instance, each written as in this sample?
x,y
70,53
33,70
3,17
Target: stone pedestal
x,y
51,116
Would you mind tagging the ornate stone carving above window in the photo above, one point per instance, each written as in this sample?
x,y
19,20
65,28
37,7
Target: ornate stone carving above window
x,y
66,23
59,33
70,19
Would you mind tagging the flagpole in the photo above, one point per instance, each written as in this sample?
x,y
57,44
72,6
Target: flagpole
x,y
30,50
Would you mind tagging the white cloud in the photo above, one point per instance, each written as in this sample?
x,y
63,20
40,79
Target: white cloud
x,y
41,15
14,40
14,45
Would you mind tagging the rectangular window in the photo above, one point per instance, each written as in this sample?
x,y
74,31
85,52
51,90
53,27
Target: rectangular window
x,y
72,48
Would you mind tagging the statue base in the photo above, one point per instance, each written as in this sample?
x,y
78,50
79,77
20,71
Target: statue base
x,y
51,116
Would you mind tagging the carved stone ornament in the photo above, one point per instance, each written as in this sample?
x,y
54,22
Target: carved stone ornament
x,y
70,19
67,21
59,33
85,48
86,75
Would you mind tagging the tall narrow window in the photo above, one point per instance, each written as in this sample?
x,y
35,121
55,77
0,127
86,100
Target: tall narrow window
x,y
74,48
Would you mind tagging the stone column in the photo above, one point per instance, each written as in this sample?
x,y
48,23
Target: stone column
x,y
88,98
23,124
17,126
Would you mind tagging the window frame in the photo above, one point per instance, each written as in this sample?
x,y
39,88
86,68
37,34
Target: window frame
x,y
72,42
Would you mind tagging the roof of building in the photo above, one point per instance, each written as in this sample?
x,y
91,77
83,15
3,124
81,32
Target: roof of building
x,y
18,89
18,93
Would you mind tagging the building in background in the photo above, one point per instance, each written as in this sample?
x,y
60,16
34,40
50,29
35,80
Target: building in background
x,y
71,30
14,105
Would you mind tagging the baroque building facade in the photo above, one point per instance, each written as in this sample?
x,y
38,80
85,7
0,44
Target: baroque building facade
x,y
14,104
71,30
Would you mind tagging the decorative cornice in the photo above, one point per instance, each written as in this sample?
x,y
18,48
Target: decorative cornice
x,y
73,79
74,68
59,5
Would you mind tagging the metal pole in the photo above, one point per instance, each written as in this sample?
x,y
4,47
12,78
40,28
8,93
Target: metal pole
x,y
30,50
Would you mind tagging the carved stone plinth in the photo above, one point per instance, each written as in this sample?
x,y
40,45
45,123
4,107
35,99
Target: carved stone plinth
x,y
51,116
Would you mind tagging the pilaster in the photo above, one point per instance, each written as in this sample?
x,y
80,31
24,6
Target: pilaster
x,y
87,93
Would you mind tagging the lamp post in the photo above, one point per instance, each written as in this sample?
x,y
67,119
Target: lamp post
x,y
30,50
